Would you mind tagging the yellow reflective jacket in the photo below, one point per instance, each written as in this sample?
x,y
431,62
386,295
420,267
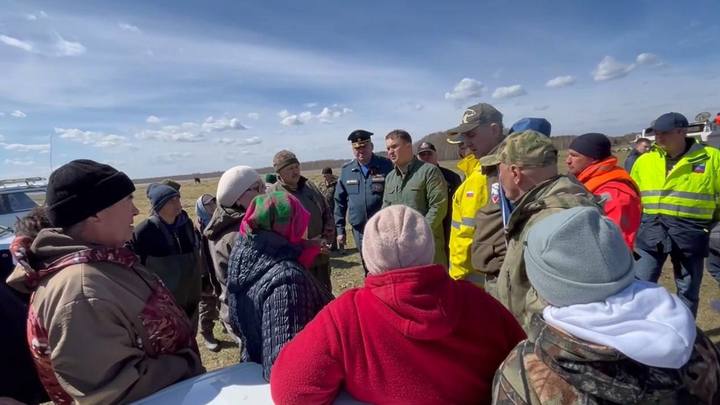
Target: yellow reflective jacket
x,y
468,199
690,190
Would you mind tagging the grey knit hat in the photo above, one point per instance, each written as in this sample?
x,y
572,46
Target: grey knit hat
x,y
577,256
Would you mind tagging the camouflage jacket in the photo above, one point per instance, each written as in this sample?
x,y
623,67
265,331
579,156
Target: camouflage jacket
x,y
328,191
513,288
553,367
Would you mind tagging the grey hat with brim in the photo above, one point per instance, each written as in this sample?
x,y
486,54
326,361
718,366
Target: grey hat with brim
x,y
473,117
577,256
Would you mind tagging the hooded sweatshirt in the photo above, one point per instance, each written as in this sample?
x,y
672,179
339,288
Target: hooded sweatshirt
x,y
222,232
555,367
101,328
409,336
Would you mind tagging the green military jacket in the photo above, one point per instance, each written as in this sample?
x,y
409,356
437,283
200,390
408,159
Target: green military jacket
x,y
421,186
554,368
513,288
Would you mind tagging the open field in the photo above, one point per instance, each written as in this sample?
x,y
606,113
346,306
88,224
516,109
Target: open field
x,y
347,273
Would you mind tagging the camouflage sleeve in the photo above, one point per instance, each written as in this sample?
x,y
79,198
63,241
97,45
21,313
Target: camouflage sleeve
x,y
510,386
437,197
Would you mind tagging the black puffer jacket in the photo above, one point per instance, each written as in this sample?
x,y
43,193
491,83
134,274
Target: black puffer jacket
x,y
271,297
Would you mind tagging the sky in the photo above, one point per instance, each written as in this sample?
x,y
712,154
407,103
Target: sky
x,y
181,87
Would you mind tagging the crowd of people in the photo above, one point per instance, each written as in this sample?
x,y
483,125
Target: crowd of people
x,y
510,284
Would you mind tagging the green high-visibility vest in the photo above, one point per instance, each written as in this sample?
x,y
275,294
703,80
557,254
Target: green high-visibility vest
x,y
690,190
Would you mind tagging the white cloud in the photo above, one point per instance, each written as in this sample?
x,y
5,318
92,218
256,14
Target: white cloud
x,y
16,43
560,81
69,48
310,105
96,139
129,27
19,162
185,132
223,124
2,137
465,89
19,147
283,114
255,140
609,69
174,157
648,59
291,121
253,116
326,116
152,119
305,116
509,92
31,17
18,114
541,107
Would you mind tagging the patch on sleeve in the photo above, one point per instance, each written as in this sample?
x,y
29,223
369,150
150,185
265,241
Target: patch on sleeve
x,y
495,193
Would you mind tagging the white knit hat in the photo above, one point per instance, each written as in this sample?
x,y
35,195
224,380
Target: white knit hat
x,y
397,237
234,182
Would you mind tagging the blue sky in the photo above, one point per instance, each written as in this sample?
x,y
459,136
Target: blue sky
x,y
174,87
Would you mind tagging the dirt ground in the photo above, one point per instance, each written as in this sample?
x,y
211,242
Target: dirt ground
x,y
348,273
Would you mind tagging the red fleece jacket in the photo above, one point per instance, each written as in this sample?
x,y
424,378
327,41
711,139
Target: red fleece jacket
x,y
411,336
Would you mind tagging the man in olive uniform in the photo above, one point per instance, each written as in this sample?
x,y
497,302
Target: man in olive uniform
x,y
359,190
418,185
327,188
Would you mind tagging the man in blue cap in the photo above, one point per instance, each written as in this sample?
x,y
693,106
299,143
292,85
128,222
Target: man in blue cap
x,y
360,188
489,245
679,182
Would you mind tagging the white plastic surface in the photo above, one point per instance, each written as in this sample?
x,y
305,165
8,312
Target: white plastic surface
x,y
242,383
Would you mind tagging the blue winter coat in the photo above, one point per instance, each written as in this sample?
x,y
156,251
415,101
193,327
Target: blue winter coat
x,y
271,297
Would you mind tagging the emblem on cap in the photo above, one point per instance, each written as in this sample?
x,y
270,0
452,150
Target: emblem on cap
x,y
468,114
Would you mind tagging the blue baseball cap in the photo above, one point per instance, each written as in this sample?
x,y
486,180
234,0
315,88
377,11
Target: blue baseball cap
x,y
540,125
669,121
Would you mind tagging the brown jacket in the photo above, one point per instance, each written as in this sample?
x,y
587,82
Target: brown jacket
x,y
489,246
222,232
101,328
322,223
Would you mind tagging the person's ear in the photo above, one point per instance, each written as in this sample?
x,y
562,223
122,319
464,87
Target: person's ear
x,y
516,174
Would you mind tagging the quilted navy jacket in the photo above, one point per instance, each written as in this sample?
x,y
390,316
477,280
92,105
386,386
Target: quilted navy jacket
x,y
271,297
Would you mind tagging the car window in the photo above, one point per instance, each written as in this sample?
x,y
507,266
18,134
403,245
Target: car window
x,y
15,202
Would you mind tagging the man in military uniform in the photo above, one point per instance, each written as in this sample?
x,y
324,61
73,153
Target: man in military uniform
x,y
327,188
359,191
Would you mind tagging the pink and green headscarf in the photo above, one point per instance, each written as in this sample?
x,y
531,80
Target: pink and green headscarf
x,y
285,215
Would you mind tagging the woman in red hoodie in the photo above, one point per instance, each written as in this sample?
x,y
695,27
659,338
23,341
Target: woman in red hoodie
x,y
410,335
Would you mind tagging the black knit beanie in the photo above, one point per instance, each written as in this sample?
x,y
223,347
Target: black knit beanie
x,y
594,145
82,188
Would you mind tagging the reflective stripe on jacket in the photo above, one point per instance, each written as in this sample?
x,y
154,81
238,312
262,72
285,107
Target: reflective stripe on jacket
x,y
689,190
468,199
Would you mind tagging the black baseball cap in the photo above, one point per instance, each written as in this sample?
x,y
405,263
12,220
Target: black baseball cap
x,y
668,122
426,147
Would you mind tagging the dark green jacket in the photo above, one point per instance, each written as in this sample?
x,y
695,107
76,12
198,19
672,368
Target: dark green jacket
x,y
421,186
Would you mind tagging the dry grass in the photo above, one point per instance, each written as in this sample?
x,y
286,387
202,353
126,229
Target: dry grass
x,y
347,273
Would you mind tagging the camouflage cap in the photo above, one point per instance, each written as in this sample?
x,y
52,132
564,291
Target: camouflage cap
x,y
172,183
475,116
524,149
